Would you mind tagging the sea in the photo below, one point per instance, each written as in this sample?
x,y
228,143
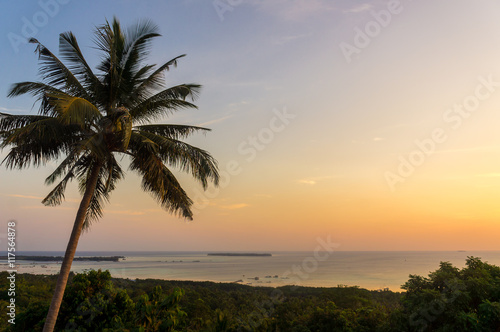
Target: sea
x,y
374,270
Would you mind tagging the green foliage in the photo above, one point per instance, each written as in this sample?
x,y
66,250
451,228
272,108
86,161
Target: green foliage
x,y
96,302
33,294
159,312
451,299
91,303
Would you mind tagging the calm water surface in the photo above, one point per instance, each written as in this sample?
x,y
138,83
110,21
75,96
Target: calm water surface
x,y
367,269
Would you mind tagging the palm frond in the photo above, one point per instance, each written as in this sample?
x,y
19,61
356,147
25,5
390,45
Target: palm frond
x,y
109,174
74,110
103,39
137,44
138,36
155,80
55,73
132,95
56,195
36,89
71,52
103,35
99,197
187,158
65,166
141,74
22,156
171,131
38,142
165,102
110,40
114,173
97,145
158,180
10,121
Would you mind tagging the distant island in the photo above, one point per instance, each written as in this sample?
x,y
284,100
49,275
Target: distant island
x,y
60,258
237,254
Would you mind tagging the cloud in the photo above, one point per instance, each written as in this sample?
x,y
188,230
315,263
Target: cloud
x,y
471,150
314,180
11,110
295,10
478,149
311,182
391,128
36,197
23,196
223,204
234,206
214,121
360,8
244,102
376,139
154,210
127,212
31,207
286,39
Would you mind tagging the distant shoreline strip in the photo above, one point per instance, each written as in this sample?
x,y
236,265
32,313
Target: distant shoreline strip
x,y
60,258
238,254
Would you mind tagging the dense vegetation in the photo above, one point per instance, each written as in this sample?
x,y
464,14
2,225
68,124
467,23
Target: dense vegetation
x,y
449,299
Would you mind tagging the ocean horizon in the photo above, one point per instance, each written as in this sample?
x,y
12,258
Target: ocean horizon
x,y
366,269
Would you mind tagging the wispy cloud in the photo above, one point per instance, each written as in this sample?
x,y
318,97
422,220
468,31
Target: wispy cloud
x,y
240,103
36,197
376,139
360,8
287,39
234,206
314,180
154,210
471,150
296,10
33,207
310,182
391,128
23,196
126,212
11,110
224,204
214,121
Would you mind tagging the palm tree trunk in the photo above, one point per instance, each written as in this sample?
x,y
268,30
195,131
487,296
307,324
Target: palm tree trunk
x,y
50,321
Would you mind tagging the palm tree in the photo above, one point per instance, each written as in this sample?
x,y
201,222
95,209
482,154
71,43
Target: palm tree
x,y
86,120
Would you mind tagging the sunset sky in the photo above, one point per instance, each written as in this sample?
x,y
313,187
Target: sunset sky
x,y
374,123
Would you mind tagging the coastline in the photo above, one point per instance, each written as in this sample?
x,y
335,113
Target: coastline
x,y
368,270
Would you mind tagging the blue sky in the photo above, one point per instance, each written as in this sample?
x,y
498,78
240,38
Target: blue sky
x,y
352,118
